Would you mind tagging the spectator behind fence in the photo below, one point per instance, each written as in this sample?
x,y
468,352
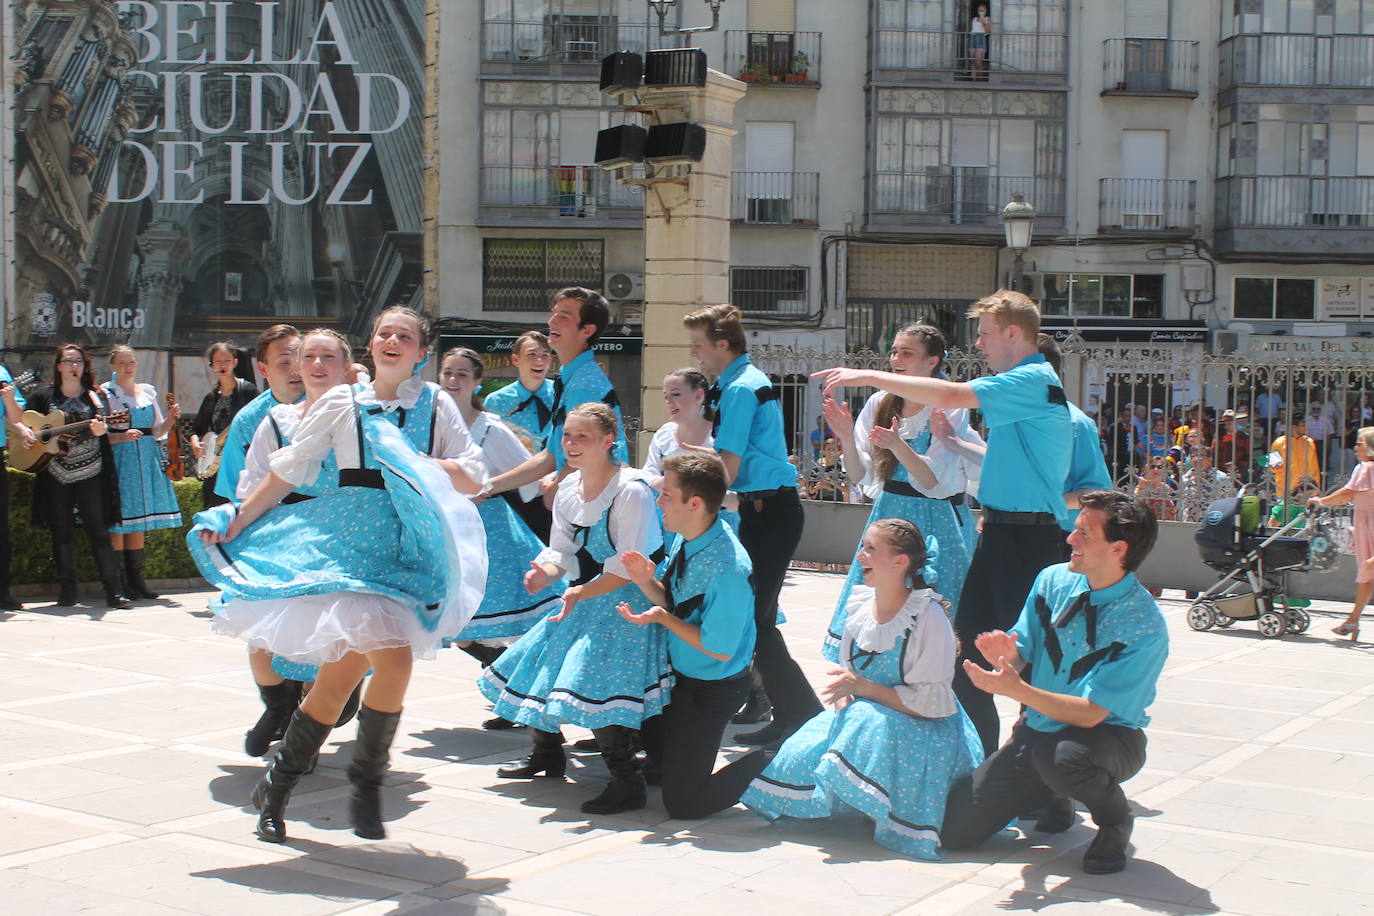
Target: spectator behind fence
x,y
1231,446
1293,458
1202,485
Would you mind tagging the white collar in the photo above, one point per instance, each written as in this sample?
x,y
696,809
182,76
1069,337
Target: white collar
x,y
586,513
870,635
407,393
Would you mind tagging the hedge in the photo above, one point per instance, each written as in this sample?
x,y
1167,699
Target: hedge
x,y
166,556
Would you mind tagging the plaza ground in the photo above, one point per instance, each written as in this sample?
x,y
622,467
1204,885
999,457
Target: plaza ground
x,y
125,786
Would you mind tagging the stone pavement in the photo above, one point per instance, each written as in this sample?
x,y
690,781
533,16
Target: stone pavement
x,y
125,786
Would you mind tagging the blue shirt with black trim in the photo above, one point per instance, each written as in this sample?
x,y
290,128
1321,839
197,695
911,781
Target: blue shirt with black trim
x,y
18,399
711,589
1087,465
750,425
238,437
1030,438
518,405
1108,647
582,381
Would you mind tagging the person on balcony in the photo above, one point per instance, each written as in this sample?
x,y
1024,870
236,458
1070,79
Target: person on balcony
x,y
978,32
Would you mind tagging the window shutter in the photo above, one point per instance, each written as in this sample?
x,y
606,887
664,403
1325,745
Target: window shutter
x,y
772,15
1147,18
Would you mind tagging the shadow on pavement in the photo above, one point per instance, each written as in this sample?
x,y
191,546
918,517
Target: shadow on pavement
x,y
1168,893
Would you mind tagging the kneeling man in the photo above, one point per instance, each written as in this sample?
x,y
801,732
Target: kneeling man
x,y
1096,643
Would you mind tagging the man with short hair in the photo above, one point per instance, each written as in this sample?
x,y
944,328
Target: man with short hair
x,y
706,603
1293,459
751,441
275,352
1202,485
1030,444
577,318
1096,644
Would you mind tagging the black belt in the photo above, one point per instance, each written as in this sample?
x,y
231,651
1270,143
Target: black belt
x,y
368,478
1001,517
902,488
766,494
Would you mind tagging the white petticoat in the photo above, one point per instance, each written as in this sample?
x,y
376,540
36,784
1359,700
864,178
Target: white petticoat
x,y
318,629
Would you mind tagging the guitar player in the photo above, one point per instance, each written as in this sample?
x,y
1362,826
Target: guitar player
x,y
14,406
217,410
83,478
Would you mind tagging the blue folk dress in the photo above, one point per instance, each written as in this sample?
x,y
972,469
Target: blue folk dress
x,y
507,610
146,498
593,668
392,557
895,767
939,513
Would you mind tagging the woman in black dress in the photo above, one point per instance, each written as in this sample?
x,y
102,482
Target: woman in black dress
x,y
83,479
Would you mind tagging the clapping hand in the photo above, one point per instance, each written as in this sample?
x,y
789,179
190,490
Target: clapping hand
x,y
885,437
654,614
537,578
940,427
570,598
996,644
844,687
837,415
839,377
640,567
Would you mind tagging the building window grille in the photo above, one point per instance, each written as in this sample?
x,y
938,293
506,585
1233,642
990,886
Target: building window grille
x,y
772,290
520,275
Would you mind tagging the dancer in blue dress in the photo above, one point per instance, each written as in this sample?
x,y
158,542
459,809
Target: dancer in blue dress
x,y
527,402
908,473
587,665
897,739
146,498
368,574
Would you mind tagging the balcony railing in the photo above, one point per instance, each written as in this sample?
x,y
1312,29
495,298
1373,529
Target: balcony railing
x,y
1146,205
1294,202
561,39
566,191
970,197
1337,61
774,198
1010,55
1149,66
774,58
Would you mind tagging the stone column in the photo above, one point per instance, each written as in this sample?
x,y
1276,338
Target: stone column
x,y
686,236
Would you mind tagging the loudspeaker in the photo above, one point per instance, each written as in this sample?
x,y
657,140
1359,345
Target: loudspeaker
x,y
670,143
620,145
621,71
674,67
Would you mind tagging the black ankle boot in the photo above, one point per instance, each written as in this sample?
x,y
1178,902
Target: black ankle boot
x,y
112,575
299,746
65,554
625,791
756,708
1107,853
280,701
376,732
133,576
545,757
1057,816
485,655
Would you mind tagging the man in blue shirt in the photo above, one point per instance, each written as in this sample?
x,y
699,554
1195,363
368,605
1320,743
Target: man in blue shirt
x,y
1087,464
576,321
1096,643
750,439
14,407
275,352
706,602
1030,441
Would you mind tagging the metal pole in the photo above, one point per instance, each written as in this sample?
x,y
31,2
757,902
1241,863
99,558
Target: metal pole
x,y
1018,267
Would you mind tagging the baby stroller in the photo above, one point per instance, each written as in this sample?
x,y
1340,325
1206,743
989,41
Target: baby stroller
x,y
1232,541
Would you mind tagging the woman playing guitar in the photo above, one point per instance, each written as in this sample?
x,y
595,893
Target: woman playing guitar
x,y
14,403
82,478
217,410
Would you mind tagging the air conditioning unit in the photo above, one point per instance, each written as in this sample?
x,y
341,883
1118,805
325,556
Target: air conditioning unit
x,y
1034,284
1224,342
624,286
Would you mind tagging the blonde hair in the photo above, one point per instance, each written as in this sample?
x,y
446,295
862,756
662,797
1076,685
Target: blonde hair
x,y
720,322
1008,307
345,348
118,349
421,322
1366,438
599,414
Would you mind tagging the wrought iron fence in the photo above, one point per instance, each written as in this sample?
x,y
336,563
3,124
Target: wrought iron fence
x,y
577,191
1297,60
774,198
1146,204
1149,65
1006,55
774,58
1294,201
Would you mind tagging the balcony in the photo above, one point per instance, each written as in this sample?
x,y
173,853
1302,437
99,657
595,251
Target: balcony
x,y
1299,217
774,58
557,195
1332,61
1147,205
1153,67
968,201
1013,58
559,43
774,198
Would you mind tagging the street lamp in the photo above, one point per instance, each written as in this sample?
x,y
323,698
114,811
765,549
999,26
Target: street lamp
x,y
1018,221
661,7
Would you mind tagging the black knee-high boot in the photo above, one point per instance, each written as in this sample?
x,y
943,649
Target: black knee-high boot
x,y
376,732
65,554
546,757
757,707
112,575
280,701
299,746
485,655
133,576
626,791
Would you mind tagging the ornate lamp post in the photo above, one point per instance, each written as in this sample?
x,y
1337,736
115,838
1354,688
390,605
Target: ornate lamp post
x,y
1018,221
661,7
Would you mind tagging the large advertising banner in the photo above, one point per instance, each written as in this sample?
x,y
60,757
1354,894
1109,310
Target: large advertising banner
x,y
193,171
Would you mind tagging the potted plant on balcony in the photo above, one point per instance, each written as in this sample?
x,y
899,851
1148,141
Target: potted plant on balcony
x,y
755,72
797,71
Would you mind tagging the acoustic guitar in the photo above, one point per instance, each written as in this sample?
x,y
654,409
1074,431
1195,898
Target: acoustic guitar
x,y
53,436
176,459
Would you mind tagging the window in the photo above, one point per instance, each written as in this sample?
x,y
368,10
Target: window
x,y
519,275
1270,297
1105,295
780,290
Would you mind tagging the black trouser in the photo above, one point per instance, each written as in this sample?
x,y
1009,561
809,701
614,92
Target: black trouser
x,y
1000,576
208,496
87,495
5,552
534,513
685,741
770,530
1087,764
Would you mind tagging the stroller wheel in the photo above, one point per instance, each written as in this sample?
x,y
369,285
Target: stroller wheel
x,y
1272,625
1202,615
1297,620
1223,621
